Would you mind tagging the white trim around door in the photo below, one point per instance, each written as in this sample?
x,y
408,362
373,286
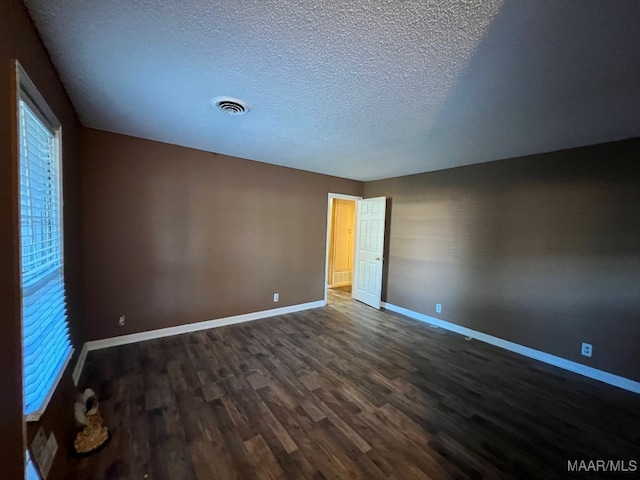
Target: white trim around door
x,y
330,198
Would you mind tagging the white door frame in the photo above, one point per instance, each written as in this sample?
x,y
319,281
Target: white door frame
x,y
330,198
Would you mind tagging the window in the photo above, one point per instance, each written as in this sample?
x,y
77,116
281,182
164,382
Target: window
x,y
46,348
30,472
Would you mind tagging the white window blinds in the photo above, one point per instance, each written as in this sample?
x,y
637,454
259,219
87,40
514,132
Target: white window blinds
x,y
45,336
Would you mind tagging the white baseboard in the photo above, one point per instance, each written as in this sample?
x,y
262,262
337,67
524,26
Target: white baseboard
x,y
77,370
563,363
194,327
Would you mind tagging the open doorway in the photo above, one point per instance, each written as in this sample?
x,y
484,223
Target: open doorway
x,y
341,221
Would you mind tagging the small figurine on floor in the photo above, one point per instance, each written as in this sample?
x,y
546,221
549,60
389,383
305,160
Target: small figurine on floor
x,y
93,435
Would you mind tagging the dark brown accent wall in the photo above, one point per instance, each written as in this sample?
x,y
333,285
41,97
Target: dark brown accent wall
x,y
175,235
541,250
19,40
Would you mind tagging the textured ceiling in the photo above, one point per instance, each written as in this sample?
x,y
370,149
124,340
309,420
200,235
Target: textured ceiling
x,y
363,89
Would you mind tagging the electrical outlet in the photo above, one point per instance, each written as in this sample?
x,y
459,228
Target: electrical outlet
x,y
587,349
121,320
276,297
438,308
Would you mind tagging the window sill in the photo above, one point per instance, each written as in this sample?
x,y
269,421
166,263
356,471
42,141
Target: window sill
x,y
35,416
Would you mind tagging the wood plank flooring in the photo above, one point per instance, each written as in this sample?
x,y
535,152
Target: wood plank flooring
x,y
342,392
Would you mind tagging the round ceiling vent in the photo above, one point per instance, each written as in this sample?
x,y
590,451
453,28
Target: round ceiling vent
x,y
232,106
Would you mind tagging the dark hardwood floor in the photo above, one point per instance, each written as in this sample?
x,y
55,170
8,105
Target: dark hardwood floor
x,y
347,392
338,294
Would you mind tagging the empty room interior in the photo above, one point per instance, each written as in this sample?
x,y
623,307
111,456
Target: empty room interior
x,y
319,240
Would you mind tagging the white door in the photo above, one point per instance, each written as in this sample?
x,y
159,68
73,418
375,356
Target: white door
x,y
367,281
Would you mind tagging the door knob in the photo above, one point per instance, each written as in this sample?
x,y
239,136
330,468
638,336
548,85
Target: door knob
x,y
378,258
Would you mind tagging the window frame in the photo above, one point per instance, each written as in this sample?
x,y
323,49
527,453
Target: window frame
x,y
26,91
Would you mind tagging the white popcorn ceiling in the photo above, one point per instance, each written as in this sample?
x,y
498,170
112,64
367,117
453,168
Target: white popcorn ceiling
x,y
363,89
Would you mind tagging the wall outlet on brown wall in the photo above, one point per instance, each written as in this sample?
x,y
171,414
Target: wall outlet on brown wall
x,y
121,320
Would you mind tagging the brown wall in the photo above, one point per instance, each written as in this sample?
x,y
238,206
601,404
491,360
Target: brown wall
x,y
175,235
19,40
542,250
